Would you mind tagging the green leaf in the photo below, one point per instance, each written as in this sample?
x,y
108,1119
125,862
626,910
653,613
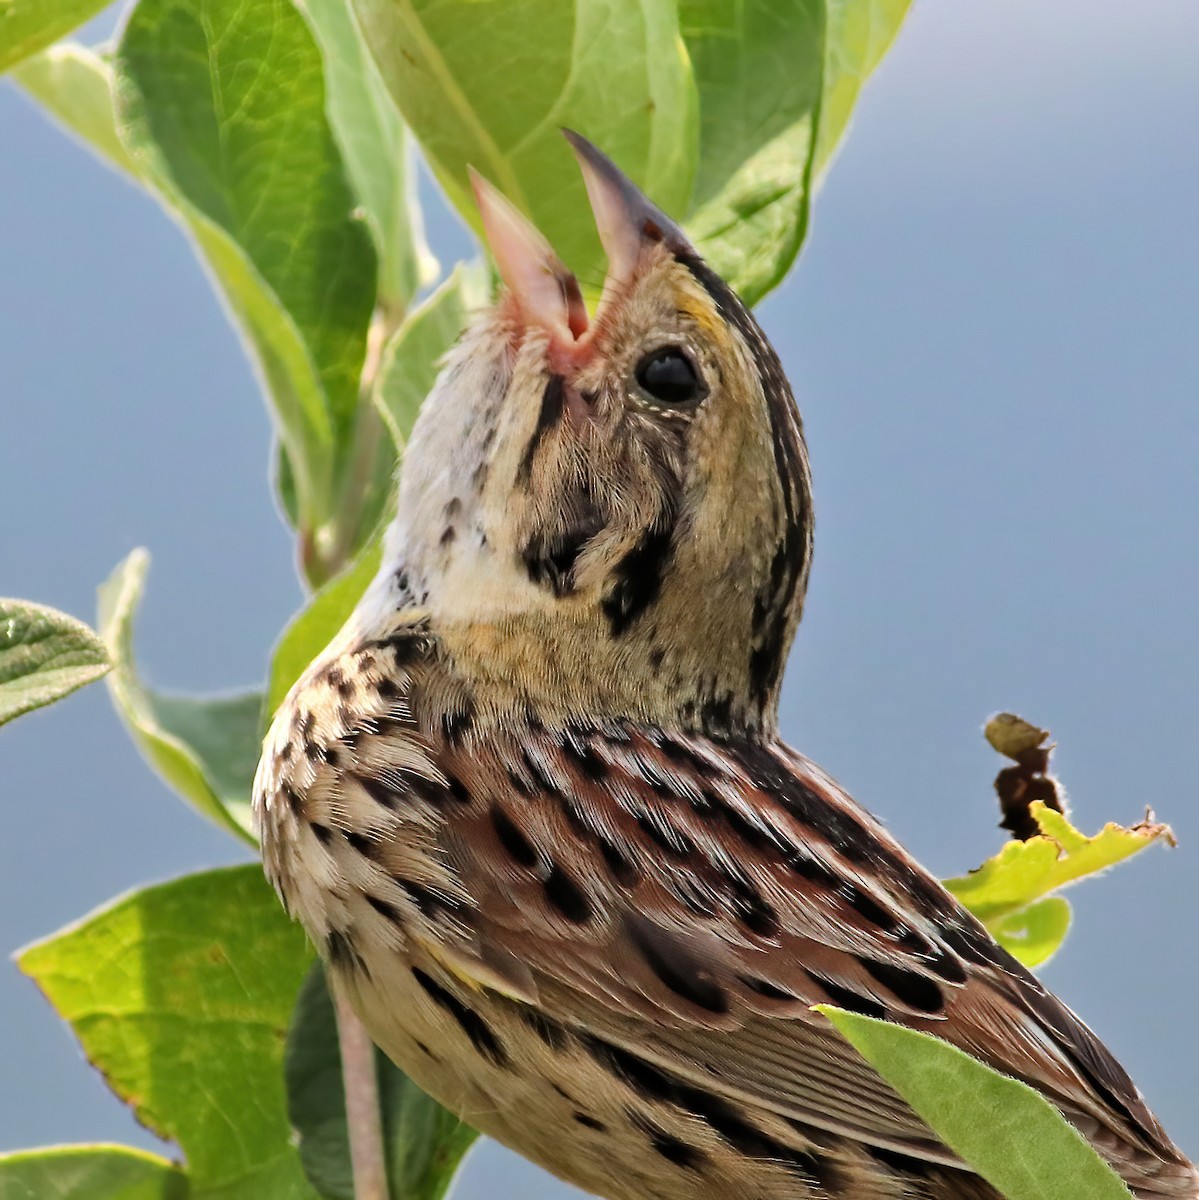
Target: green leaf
x,y
74,85
27,26
1023,872
206,748
759,69
859,33
222,105
89,1173
181,995
490,83
44,656
377,152
413,356
777,84
1012,1136
425,1144
315,626
1034,934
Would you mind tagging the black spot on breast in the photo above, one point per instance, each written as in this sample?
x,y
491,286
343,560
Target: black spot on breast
x,y
538,772
387,688
383,907
664,835
323,833
473,1025
976,945
621,866
675,1150
946,965
680,970
636,579
643,1077
549,1031
844,998
766,989
913,989
590,1122
341,951
458,722
380,792
567,897
758,917
361,842
457,790
716,713
585,758
520,784
292,797
408,648
866,906
519,848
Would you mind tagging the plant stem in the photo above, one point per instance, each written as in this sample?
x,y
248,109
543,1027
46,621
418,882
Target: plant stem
x,y
363,1120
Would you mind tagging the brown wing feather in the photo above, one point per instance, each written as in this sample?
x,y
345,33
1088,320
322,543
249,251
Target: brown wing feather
x,y
696,898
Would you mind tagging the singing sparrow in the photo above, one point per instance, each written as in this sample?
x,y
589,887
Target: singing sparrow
x,y
533,809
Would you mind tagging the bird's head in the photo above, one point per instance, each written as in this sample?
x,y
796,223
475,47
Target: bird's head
x,y
609,513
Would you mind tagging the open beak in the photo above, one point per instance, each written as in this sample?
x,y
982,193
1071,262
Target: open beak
x,y
547,293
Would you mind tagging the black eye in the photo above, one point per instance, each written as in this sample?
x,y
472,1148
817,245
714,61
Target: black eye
x,y
668,377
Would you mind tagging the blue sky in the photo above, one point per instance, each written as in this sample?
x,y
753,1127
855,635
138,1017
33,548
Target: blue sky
x,y
992,334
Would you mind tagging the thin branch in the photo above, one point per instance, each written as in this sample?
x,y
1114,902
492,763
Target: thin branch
x,y
363,1119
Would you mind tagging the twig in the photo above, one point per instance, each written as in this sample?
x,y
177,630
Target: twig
x,y
363,1118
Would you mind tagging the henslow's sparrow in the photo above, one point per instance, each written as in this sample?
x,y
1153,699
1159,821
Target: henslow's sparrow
x,y
532,806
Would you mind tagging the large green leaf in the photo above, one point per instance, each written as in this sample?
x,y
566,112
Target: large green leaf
x,y
206,748
490,82
222,105
74,84
777,82
377,152
858,33
424,1143
27,26
413,356
44,655
181,995
1012,1136
313,628
89,1173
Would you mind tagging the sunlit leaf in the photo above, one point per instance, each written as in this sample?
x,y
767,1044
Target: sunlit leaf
x,y
424,1143
777,83
89,1173
412,358
858,35
74,85
1034,934
1023,872
1012,1136
490,83
377,152
313,628
181,996
205,748
44,655
27,26
222,105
